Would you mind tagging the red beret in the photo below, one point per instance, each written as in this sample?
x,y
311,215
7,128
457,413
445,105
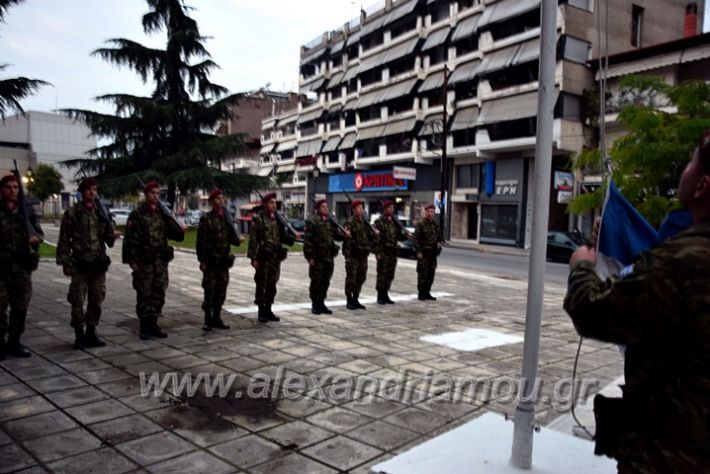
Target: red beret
x,y
7,178
319,203
430,206
355,203
387,203
268,197
86,183
215,192
153,184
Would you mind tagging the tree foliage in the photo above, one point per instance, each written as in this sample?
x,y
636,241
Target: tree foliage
x,y
46,181
663,130
13,90
167,135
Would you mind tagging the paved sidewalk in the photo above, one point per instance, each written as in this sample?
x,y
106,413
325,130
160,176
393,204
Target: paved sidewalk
x,y
82,411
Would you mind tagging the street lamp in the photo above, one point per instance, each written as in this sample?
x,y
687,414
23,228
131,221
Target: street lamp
x,y
316,174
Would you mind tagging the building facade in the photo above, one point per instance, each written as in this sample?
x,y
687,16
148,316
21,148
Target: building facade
x,y
411,80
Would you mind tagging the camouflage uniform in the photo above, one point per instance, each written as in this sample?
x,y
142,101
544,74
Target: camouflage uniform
x,y
355,250
386,250
83,237
146,243
661,313
319,245
214,241
265,247
17,262
427,243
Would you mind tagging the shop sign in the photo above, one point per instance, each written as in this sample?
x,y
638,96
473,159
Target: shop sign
x,y
366,182
401,172
563,181
508,187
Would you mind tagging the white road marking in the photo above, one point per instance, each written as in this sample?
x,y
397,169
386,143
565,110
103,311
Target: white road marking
x,y
472,339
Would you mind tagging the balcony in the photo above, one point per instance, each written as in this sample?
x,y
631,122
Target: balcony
x,y
616,103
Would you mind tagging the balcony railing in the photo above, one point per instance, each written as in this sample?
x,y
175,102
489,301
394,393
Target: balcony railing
x,y
616,103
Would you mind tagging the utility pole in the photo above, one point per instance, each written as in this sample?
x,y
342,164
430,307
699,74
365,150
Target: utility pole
x,y
444,133
523,430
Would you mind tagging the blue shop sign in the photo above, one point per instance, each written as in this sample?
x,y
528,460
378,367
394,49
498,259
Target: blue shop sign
x,y
366,181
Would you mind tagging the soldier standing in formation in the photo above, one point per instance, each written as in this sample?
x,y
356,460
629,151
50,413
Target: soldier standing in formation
x,y
146,250
427,247
319,249
81,251
266,253
355,250
389,233
17,262
214,241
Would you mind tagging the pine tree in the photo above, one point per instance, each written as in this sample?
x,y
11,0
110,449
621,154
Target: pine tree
x,y
167,136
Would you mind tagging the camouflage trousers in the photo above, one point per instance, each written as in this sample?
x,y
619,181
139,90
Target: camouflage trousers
x,y
91,286
426,269
355,275
150,282
266,277
214,282
386,267
15,292
320,273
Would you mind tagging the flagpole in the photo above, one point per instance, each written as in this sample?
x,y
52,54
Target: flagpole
x,y
521,455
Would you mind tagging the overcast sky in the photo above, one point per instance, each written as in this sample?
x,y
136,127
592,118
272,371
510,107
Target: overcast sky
x,y
254,41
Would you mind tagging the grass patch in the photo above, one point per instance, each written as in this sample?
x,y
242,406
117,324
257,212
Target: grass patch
x,y
47,251
191,241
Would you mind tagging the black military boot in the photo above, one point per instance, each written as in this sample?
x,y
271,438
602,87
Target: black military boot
x,y
381,298
351,302
270,316
217,320
422,296
14,348
91,339
315,306
144,330
387,298
207,324
263,315
154,330
430,297
356,302
3,346
79,343
323,308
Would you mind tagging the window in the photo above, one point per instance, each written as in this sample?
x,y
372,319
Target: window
x,y
583,4
636,25
466,137
402,66
466,45
516,25
439,11
337,61
438,55
574,49
336,92
499,223
467,176
466,4
466,90
400,105
370,77
403,26
436,97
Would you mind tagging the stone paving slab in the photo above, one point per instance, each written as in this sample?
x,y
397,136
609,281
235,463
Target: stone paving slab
x,y
364,385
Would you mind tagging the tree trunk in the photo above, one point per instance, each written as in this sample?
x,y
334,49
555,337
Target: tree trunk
x,y
171,195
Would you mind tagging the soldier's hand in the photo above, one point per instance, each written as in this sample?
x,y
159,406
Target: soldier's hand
x,y
242,239
183,228
311,262
67,270
255,264
298,235
202,267
595,233
347,233
134,266
583,253
419,256
117,234
34,240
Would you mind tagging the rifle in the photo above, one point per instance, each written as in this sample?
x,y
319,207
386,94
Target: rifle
x,y
167,212
366,218
396,221
23,206
332,220
233,231
286,227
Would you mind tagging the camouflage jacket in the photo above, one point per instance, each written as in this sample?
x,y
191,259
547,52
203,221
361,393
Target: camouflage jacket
x,y
427,236
661,312
389,234
357,246
214,240
265,237
14,241
83,236
319,239
147,234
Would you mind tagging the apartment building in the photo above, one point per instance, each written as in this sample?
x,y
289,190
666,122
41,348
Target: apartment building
x,y
409,79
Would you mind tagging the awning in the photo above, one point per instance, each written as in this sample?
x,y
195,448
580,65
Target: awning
x,y
465,72
334,109
516,54
350,73
348,141
265,170
313,86
337,46
436,38
373,61
509,108
311,147
465,118
401,50
331,144
287,120
335,79
506,9
353,38
401,126
401,11
285,146
285,168
267,149
432,124
466,27
308,58
382,95
433,81
308,116
370,98
351,104
372,26
653,62
372,132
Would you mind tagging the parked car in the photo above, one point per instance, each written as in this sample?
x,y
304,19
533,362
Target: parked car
x,y
299,225
561,245
119,216
192,218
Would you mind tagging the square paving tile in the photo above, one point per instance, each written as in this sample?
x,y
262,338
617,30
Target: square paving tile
x,y
24,407
86,365
247,451
14,458
39,425
61,445
375,407
121,388
124,429
39,372
338,419
301,407
99,411
183,362
15,391
198,462
342,453
383,435
95,377
292,463
104,461
4,438
56,384
155,448
196,425
417,420
76,396
297,434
